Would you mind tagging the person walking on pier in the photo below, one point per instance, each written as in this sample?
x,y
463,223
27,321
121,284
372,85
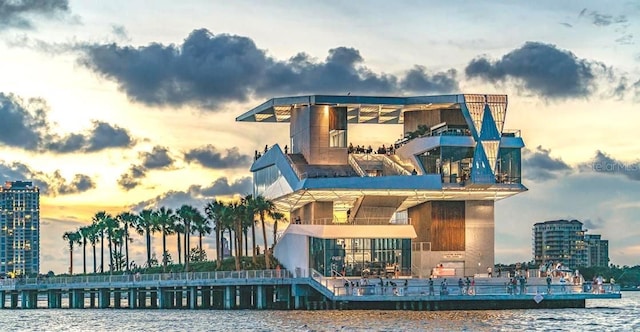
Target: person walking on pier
x,y
548,284
461,286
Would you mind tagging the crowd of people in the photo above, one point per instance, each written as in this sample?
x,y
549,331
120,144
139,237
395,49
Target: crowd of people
x,y
389,150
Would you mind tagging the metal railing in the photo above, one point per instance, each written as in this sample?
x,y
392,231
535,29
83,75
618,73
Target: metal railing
x,y
143,277
356,167
356,221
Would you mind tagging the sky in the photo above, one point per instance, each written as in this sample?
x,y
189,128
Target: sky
x,y
122,105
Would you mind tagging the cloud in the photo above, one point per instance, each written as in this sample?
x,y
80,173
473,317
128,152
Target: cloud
x,y
538,165
595,224
197,195
603,163
208,70
222,187
17,13
49,184
540,68
120,32
158,158
25,125
600,19
209,156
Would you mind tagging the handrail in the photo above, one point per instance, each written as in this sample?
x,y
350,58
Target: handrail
x,y
356,167
399,169
356,221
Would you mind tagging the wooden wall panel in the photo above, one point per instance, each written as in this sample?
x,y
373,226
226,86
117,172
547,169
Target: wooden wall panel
x,y
447,226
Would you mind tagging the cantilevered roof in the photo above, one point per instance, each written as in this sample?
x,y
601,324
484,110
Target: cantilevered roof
x,y
360,109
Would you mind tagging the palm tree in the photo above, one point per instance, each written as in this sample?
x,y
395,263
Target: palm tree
x,y
72,238
214,211
98,221
187,213
93,238
178,230
127,219
200,226
85,233
165,220
111,226
276,216
264,207
251,209
145,226
237,212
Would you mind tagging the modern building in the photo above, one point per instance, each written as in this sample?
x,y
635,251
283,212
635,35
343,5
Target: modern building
x,y
597,250
424,201
565,241
19,228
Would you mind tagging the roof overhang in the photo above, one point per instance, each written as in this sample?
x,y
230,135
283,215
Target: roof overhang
x,y
360,109
353,231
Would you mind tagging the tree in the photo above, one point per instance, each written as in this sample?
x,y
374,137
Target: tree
x,y
187,213
145,226
127,219
178,230
165,220
214,210
110,226
264,207
72,238
93,238
200,226
251,209
85,233
98,222
276,216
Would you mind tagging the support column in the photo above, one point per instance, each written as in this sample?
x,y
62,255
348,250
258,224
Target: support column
x,y
23,299
297,302
229,297
206,297
2,299
133,298
117,298
78,299
14,300
162,299
154,298
193,297
178,295
142,298
261,297
104,297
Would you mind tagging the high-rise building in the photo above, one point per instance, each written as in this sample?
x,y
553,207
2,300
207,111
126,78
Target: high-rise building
x,y
19,228
422,205
597,250
565,241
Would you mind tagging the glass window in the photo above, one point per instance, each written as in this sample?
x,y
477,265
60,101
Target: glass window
x,y
338,127
263,178
509,166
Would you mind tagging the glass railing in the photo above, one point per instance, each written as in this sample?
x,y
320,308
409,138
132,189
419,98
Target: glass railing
x,y
354,221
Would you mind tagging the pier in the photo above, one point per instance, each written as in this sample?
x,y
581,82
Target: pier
x,y
271,289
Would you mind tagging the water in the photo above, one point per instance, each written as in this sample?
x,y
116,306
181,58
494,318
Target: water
x,y
600,315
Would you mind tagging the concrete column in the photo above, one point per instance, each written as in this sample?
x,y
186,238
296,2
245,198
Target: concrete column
x,y
77,299
162,299
2,299
171,298
24,303
154,298
229,297
178,295
142,298
117,298
206,297
92,298
193,297
261,297
133,298
104,297
14,300
297,302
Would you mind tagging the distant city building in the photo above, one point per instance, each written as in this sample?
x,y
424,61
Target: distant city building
x,y
19,228
597,250
565,241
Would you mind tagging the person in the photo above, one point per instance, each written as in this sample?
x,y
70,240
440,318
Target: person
x,y
297,220
348,214
499,272
548,284
286,149
472,288
278,271
489,271
461,286
430,287
414,172
443,287
523,282
266,148
468,285
612,283
563,281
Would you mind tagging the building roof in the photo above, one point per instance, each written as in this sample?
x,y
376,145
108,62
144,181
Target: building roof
x,y
360,109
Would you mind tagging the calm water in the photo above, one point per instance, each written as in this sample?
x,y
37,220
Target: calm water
x,y
601,315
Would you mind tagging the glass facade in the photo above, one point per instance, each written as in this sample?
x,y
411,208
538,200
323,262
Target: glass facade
x,y
508,167
263,178
358,257
19,229
452,162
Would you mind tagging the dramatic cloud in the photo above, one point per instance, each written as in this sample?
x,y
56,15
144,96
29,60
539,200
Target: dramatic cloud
x,y
208,70
538,165
222,187
49,184
541,68
17,13
603,163
25,125
158,158
197,195
209,156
